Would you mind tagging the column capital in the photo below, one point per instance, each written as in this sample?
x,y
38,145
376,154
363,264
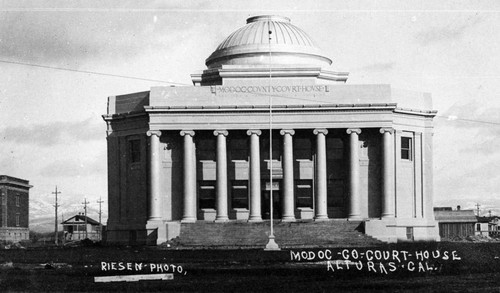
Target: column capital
x,y
153,132
320,130
287,131
387,129
187,132
353,130
254,131
218,132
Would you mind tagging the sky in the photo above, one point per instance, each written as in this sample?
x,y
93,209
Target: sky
x,y
52,132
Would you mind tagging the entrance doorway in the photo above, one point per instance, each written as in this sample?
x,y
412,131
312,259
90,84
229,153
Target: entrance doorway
x,y
265,202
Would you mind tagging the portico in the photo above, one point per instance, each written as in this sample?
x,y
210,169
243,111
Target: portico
x,y
286,176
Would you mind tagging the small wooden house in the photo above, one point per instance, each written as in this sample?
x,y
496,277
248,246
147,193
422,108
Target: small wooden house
x,y
487,226
80,227
455,223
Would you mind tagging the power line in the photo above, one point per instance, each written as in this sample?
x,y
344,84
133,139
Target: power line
x,y
90,72
217,10
451,118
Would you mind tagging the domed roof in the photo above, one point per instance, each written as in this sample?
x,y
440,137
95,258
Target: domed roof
x,y
251,44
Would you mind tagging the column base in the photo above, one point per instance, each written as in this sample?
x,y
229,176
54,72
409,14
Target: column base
x,y
255,219
387,216
288,219
221,220
321,218
188,220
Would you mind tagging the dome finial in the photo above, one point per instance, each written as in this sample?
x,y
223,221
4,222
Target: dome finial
x,y
268,18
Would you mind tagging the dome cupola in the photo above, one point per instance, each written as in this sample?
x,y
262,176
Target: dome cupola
x,y
265,40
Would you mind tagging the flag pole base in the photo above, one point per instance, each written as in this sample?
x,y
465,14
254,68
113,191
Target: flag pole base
x,y
272,245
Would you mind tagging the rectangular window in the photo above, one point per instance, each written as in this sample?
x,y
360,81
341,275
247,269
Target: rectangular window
x,y
409,233
134,150
17,219
303,193
207,195
478,227
239,194
17,200
406,148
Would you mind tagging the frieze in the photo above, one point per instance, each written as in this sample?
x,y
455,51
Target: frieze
x,y
270,89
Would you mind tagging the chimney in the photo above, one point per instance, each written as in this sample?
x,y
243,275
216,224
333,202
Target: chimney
x,y
458,208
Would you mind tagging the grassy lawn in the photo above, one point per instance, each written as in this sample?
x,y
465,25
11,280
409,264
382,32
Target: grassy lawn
x,y
407,267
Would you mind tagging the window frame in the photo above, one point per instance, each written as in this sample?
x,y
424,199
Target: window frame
x,y
202,199
407,152
300,185
239,185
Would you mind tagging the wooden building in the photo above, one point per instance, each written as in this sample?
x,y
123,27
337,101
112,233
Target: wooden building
x,y
80,227
455,224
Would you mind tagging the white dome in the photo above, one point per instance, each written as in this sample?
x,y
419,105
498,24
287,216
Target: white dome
x,y
251,44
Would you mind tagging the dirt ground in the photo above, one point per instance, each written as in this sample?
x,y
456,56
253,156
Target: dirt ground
x,y
415,267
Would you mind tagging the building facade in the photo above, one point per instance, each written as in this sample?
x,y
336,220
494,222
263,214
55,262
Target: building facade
x,y
14,214
269,116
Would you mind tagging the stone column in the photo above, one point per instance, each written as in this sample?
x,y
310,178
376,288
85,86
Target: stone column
x,y
154,175
221,176
189,213
255,208
288,184
321,177
354,201
388,173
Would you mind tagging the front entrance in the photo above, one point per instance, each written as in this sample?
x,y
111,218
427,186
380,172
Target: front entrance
x,y
265,201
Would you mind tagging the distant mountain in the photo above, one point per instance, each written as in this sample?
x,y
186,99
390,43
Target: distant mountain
x,y
42,213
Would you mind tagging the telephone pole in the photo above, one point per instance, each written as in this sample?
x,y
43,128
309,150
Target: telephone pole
x,y
56,224
477,206
100,212
85,202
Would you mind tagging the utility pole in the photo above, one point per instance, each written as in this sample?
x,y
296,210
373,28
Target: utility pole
x,y
56,224
477,206
85,202
64,235
100,212
489,212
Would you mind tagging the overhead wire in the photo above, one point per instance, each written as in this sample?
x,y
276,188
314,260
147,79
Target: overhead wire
x,y
449,118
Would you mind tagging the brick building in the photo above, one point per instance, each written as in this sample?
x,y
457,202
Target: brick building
x,y
14,214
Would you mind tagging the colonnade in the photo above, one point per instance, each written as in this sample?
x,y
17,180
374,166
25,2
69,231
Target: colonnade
x,y
288,213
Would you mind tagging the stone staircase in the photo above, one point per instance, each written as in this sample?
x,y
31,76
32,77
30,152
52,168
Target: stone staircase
x,y
233,234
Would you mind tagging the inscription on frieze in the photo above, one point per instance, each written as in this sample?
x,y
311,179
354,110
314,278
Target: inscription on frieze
x,y
270,89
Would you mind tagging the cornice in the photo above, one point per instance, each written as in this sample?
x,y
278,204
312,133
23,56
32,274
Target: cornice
x,y
107,117
282,108
428,113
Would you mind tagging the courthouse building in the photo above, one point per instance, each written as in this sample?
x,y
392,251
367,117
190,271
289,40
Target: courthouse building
x,y
269,114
